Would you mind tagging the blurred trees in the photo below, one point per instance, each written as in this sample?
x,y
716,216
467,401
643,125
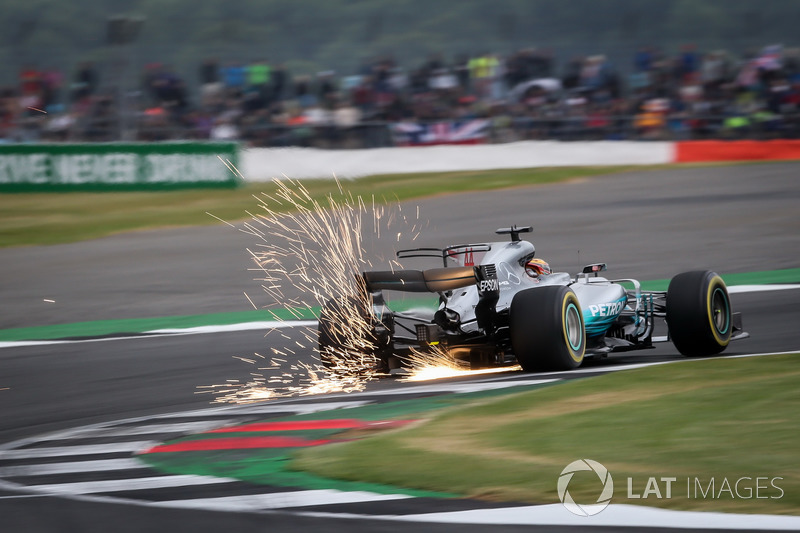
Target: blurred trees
x,y
311,35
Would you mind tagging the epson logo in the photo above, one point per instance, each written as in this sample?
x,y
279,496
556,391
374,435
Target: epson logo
x,y
611,309
488,285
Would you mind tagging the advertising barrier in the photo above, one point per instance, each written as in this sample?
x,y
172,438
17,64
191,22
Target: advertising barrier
x,y
117,166
166,166
264,164
744,150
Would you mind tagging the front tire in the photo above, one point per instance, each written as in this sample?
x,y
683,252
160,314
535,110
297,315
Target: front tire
x,y
699,313
547,329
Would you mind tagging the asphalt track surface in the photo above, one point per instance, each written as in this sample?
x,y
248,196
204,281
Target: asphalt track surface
x,y
648,225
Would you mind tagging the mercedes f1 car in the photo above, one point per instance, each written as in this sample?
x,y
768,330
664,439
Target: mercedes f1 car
x,y
499,305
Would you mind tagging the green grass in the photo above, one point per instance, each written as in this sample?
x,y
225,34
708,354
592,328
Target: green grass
x,y
54,218
717,418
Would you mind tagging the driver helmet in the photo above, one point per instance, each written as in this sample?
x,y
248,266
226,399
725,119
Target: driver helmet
x,y
537,267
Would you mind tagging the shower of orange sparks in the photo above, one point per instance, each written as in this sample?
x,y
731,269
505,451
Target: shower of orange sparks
x,y
306,258
437,363
316,251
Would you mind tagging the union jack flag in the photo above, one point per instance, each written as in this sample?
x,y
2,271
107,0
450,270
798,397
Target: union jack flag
x,y
449,132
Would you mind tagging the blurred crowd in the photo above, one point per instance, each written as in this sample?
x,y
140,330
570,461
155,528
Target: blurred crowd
x,y
524,95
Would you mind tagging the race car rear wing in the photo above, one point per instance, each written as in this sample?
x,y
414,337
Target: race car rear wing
x,y
431,280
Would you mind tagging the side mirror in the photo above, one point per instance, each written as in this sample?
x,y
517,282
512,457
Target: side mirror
x,y
595,268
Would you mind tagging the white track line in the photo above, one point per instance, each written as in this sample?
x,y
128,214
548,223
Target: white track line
x,y
619,515
172,332
145,483
281,500
64,451
244,326
618,368
459,388
277,408
160,429
103,465
737,289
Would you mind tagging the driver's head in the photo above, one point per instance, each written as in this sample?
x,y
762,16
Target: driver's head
x,y
537,267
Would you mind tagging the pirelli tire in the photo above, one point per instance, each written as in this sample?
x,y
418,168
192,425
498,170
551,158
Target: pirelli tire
x,y
345,344
547,329
699,313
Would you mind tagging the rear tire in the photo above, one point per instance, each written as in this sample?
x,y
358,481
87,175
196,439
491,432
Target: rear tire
x,y
547,329
699,313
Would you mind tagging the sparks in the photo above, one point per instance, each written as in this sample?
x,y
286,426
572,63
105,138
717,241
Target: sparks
x,y
308,254
429,373
437,363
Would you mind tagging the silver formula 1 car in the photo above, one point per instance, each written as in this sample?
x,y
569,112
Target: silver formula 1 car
x,y
499,305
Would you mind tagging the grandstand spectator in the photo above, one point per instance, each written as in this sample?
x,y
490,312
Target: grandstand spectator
x,y
8,114
686,95
650,122
224,129
326,87
303,92
99,123
363,97
461,71
31,87
85,82
689,62
572,74
59,128
483,69
257,77
210,84
234,76
199,123
167,91
713,72
52,81
208,73
30,81
279,78
644,59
